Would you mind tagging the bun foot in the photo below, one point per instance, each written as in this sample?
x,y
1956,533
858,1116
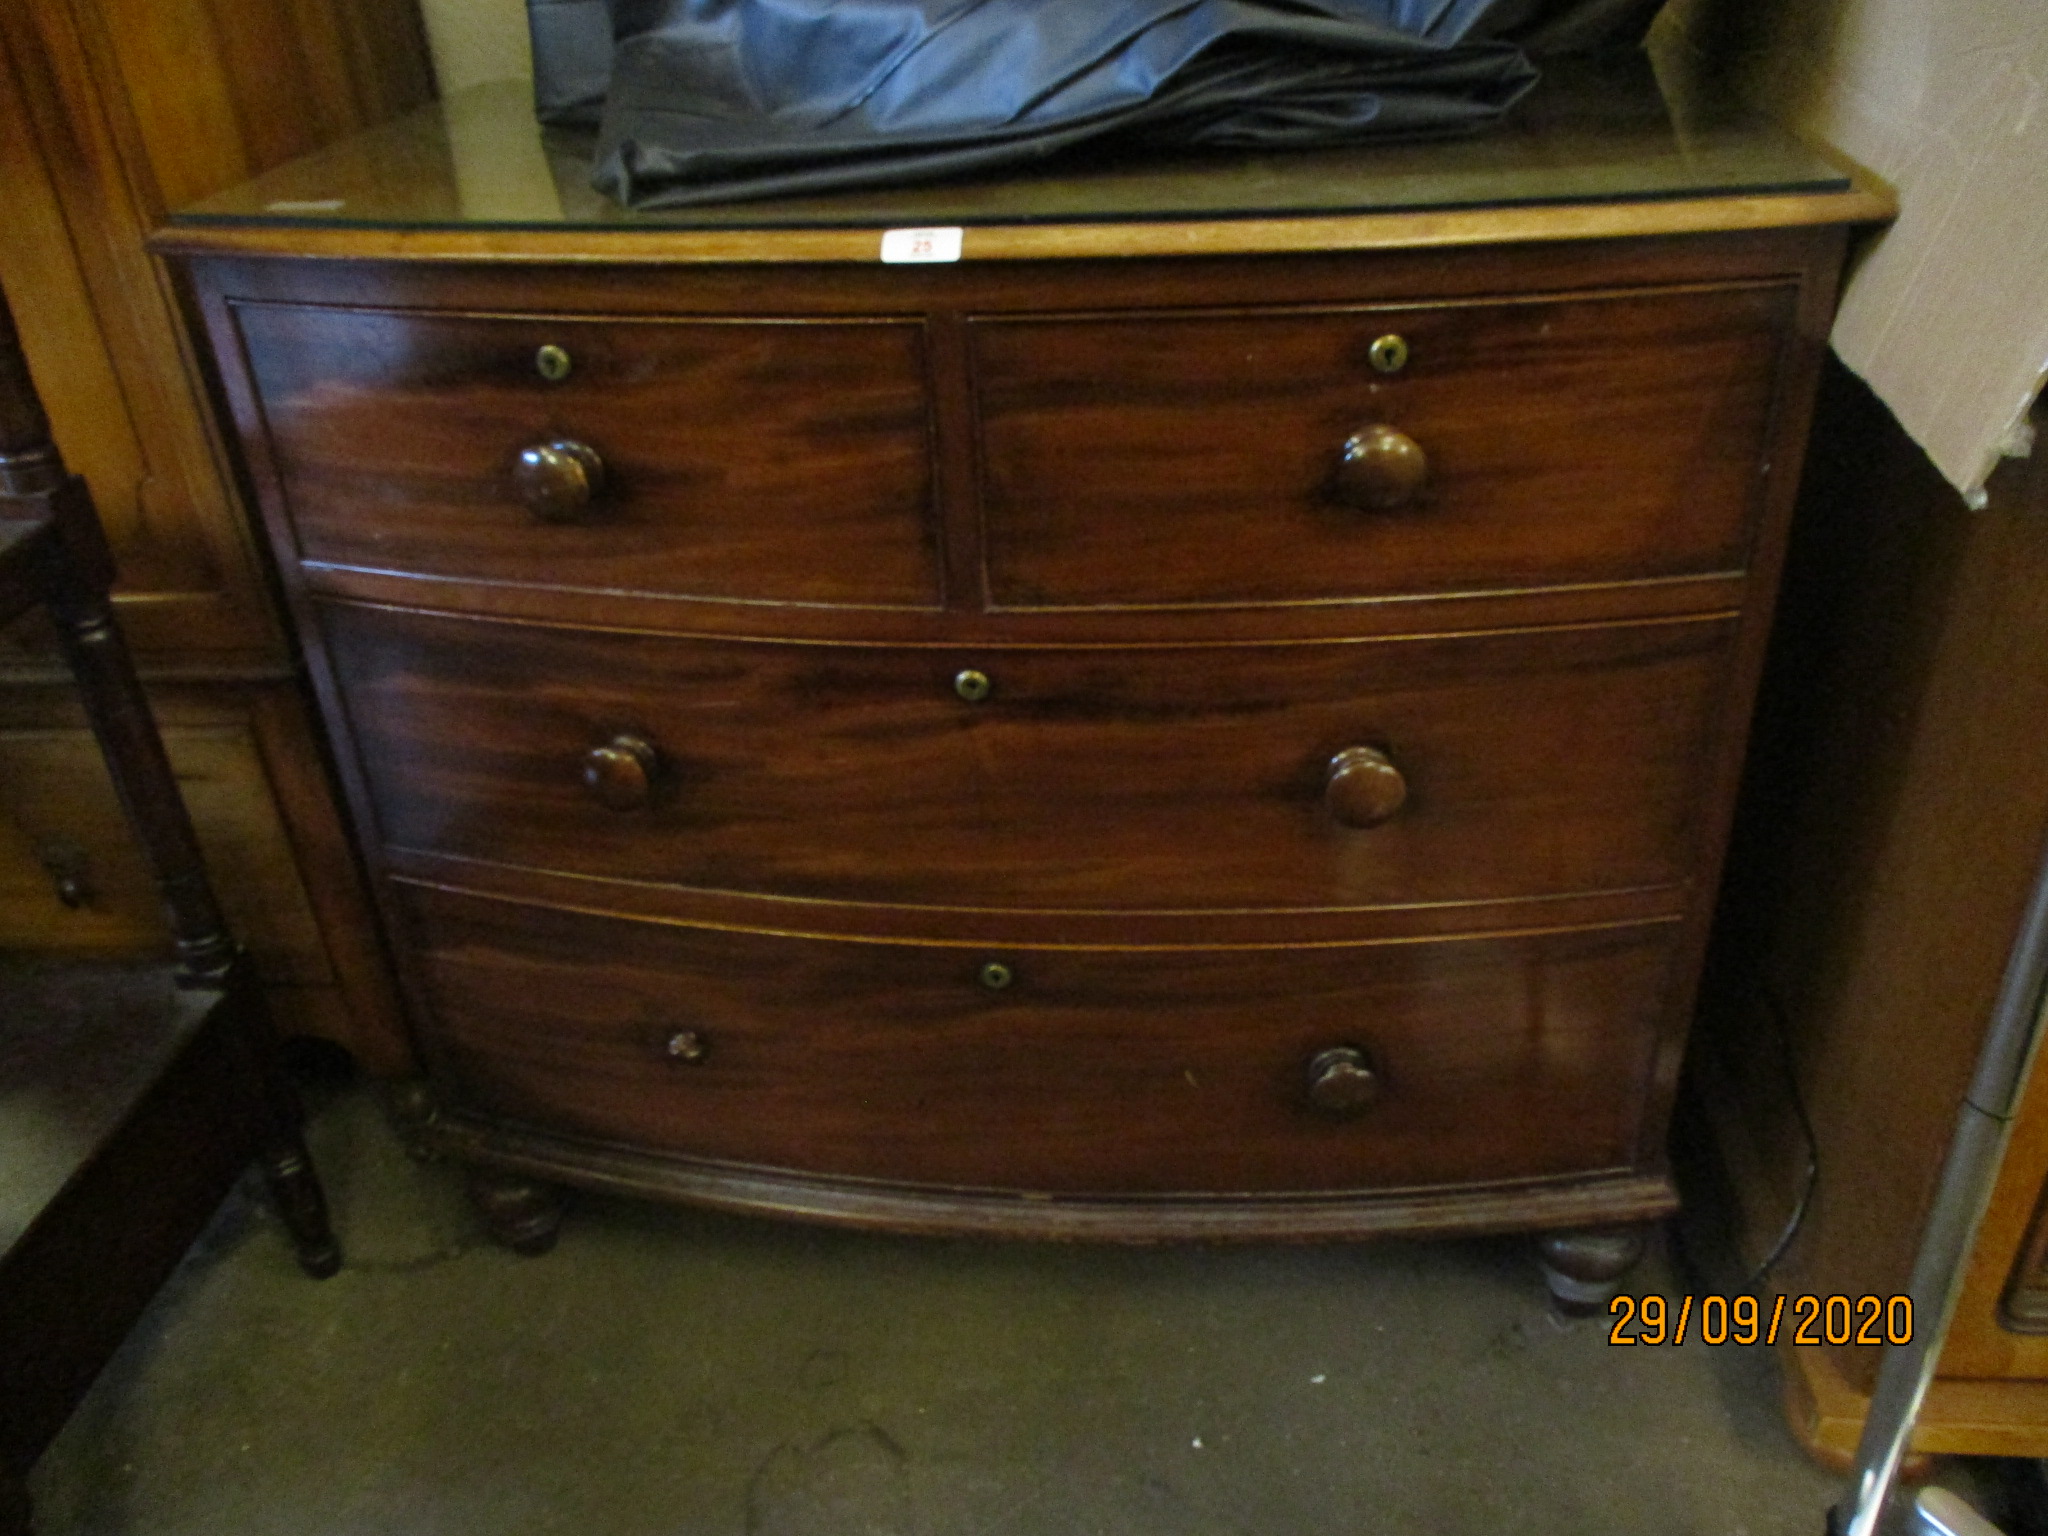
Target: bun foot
x,y
1584,1268
413,1112
522,1214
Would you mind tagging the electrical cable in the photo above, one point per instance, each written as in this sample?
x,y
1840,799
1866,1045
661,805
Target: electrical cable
x,y
1781,1030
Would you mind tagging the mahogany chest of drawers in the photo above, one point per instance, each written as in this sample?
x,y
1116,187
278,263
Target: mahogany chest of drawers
x,y
1091,740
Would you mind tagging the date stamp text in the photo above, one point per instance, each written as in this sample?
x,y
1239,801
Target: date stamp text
x,y
1746,1320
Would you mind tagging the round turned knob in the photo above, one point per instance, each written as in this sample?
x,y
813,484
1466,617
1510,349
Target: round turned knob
x,y
1341,1080
972,686
1364,787
1381,468
557,482
621,772
995,976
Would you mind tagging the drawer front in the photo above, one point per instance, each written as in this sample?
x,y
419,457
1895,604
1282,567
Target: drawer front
x,y
1198,458
1133,1071
1532,763
751,459
61,822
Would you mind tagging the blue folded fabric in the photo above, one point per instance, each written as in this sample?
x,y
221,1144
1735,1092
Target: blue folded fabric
x,y
712,100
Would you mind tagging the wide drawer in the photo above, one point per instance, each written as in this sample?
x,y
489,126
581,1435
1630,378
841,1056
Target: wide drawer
x,y
756,459
1100,1072
1190,458
1533,763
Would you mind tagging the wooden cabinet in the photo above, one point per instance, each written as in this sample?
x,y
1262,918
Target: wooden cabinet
x,y
1895,815
1087,741
112,112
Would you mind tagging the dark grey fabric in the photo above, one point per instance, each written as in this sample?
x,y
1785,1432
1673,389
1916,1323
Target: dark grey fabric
x,y
712,100
572,59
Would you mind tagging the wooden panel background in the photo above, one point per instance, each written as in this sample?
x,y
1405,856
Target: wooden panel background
x,y
111,113
1894,813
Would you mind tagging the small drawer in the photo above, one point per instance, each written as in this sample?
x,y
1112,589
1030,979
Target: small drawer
x,y
752,459
1269,457
1194,1071
1330,774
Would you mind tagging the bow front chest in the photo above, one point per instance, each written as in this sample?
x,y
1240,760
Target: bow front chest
x,y
1172,727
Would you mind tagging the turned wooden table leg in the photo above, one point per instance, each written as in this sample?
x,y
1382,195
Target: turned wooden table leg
x,y
75,584
302,1204
281,1151
1584,1268
523,1214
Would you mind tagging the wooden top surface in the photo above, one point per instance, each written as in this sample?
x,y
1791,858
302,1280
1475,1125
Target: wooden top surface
x,y
1600,150
80,1044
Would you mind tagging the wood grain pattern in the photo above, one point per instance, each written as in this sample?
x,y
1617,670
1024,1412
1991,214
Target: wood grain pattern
x,y
592,278
1894,814
1449,230
214,93
111,111
1195,457
250,769
759,460
56,803
114,1151
1189,777
836,839
1093,1072
97,330
1961,1416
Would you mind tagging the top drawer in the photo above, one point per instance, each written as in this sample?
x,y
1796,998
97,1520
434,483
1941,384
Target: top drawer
x,y
754,459
1194,458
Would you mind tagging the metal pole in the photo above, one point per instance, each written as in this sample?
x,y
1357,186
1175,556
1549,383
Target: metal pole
x,y
1966,1180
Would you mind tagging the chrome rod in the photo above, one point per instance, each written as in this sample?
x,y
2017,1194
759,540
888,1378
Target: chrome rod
x,y
1942,1513
1967,1176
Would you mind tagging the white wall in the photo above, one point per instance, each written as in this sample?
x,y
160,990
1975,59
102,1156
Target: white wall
x,y
1947,101
477,40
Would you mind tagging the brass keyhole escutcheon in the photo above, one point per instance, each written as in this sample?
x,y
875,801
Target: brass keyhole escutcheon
x,y
1389,354
687,1046
552,363
972,686
996,976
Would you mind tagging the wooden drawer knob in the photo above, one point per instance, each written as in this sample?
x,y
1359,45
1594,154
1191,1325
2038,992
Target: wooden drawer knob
x,y
1381,468
621,772
558,482
1342,1080
1364,787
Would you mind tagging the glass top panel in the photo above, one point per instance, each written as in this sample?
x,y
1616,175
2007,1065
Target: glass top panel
x,y
1613,129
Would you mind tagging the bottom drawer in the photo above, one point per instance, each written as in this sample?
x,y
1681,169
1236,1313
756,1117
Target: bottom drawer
x,y
1068,1071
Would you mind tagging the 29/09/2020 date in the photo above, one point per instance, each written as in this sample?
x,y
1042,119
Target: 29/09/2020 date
x,y
1746,1320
